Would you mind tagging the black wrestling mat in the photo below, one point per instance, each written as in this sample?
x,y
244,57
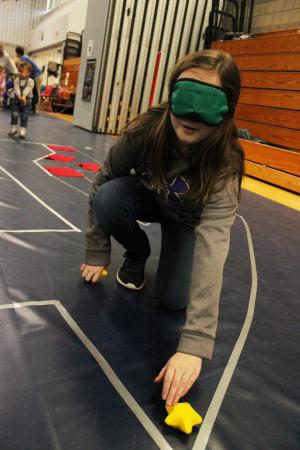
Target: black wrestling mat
x,y
78,361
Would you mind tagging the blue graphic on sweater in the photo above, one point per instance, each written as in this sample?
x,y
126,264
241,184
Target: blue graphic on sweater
x,y
176,188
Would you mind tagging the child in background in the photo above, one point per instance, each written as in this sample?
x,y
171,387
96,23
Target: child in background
x,y
36,74
2,85
188,166
23,86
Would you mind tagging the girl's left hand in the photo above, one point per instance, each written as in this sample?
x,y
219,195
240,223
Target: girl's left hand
x,y
179,374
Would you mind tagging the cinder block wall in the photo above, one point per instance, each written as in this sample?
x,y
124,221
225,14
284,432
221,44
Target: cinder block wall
x,y
275,15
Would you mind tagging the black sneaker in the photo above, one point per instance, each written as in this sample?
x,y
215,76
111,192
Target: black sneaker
x,y
132,272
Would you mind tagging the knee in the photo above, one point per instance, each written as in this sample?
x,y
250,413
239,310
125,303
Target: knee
x,y
108,202
107,197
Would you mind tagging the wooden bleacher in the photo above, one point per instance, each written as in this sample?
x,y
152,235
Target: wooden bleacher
x,y
65,95
70,66
269,105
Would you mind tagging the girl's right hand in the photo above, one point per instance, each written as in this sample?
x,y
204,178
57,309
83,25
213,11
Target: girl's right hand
x,y
91,273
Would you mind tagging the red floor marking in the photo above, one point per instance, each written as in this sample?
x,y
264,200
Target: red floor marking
x,y
63,171
62,158
92,167
63,148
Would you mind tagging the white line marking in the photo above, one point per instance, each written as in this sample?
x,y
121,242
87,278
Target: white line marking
x,y
145,224
41,201
71,186
214,407
14,141
46,230
88,156
88,179
149,426
35,161
16,305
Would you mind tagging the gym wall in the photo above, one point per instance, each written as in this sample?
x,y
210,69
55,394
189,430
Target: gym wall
x,y
53,27
275,15
16,22
133,44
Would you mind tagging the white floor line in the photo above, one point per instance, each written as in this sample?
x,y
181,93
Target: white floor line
x,y
43,230
72,187
15,141
16,305
35,161
214,407
144,224
41,201
88,156
51,152
140,414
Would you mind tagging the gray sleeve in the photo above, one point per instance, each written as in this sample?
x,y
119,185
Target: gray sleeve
x,y
29,87
17,87
119,161
10,66
210,253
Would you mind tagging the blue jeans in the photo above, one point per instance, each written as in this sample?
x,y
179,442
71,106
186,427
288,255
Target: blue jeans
x,y
19,110
118,204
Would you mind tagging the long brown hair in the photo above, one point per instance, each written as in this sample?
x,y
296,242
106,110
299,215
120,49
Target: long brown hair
x,y
217,157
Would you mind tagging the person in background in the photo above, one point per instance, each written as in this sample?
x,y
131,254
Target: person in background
x,y
23,86
2,85
7,63
36,73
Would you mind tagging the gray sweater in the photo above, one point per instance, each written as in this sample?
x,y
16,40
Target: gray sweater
x,y
23,86
7,63
211,222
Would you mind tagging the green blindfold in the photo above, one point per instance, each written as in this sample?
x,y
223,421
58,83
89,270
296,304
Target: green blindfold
x,y
198,101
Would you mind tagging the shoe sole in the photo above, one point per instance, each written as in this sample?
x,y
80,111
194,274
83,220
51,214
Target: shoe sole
x,y
130,285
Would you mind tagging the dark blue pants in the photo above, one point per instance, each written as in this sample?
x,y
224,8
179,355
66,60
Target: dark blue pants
x,y
22,111
118,205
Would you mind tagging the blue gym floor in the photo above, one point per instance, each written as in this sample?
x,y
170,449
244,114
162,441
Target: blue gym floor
x,y
78,361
